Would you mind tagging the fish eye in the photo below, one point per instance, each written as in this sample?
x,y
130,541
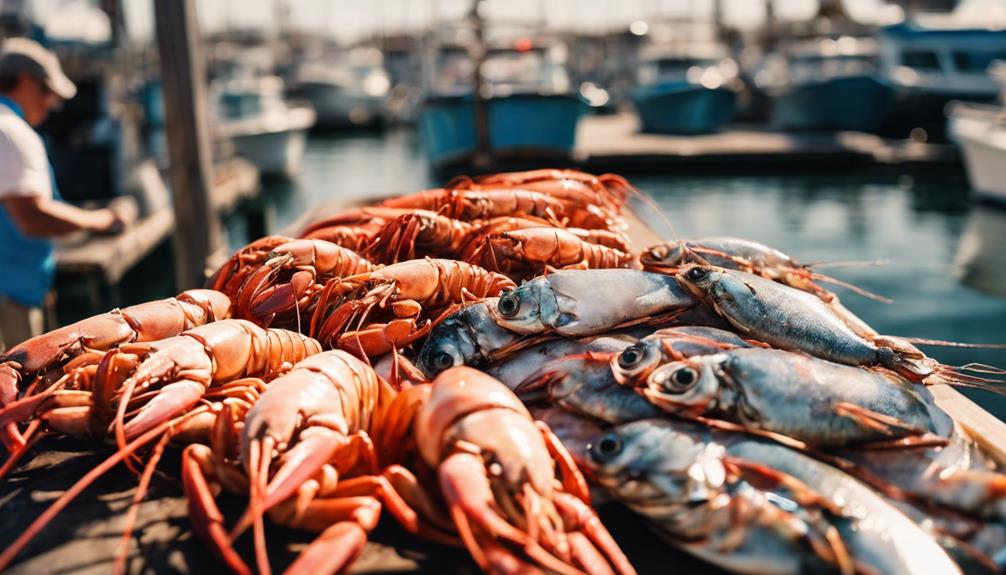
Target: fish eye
x,y
509,304
442,361
630,357
684,377
696,274
608,447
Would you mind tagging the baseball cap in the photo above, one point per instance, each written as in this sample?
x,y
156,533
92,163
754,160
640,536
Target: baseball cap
x,y
23,55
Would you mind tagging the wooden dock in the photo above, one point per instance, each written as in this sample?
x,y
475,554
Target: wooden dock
x,y
102,261
614,143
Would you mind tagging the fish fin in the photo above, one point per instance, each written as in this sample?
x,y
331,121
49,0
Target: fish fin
x,y
874,420
769,479
507,350
908,442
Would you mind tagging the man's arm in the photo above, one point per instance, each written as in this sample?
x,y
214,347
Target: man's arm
x,y
42,217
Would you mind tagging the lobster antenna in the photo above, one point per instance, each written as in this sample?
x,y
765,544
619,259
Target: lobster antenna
x,y
83,483
848,264
31,438
122,554
944,343
648,201
851,287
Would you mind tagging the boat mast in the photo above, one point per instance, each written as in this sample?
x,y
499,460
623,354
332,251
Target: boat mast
x,y
477,51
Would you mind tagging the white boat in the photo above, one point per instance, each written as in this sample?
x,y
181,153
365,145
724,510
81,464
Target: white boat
x,y
980,132
263,127
353,92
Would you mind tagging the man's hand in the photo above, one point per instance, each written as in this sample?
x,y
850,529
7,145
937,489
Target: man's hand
x,y
45,218
121,213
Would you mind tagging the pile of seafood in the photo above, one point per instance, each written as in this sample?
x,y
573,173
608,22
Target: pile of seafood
x,y
488,361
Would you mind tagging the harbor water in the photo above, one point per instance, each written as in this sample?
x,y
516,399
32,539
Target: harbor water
x,y
932,250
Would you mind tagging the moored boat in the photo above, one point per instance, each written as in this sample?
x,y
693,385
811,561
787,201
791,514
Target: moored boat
x,y
264,128
980,132
532,110
827,84
351,93
928,66
686,92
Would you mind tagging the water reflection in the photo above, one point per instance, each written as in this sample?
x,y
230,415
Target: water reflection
x,y
981,252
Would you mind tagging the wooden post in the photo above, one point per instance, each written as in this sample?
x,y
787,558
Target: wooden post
x,y
197,230
483,146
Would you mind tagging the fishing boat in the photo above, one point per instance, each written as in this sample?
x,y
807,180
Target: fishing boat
x,y
932,62
351,92
690,89
980,132
262,126
826,84
532,111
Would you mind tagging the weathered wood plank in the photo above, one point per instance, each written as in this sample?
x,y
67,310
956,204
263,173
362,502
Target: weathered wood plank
x,y
113,256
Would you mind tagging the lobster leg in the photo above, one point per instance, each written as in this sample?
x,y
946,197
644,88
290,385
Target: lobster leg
x,y
470,499
592,545
572,480
206,519
337,547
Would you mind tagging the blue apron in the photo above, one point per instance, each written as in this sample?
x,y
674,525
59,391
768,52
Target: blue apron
x,y
27,265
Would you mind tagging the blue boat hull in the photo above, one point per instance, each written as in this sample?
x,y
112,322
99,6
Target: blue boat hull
x,y
520,126
859,103
682,108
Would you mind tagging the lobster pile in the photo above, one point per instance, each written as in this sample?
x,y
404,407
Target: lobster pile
x,y
482,359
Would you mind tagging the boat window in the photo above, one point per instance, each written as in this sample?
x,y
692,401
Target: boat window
x,y
810,67
977,61
920,59
671,69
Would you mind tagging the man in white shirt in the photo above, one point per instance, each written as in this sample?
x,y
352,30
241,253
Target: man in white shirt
x,y
32,83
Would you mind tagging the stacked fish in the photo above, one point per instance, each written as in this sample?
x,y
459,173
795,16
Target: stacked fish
x,y
480,360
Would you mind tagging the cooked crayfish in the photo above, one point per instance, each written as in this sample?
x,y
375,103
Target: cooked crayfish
x,y
303,454
403,293
515,496
289,276
41,360
609,190
140,385
528,252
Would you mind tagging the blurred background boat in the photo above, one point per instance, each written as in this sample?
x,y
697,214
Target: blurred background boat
x,y
531,109
980,132
347,90
825,83
263,127
686,87
932,60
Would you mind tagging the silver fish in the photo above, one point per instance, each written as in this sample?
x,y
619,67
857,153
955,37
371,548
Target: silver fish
x,y
469,336
795,320
752,506
818,402
577,303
